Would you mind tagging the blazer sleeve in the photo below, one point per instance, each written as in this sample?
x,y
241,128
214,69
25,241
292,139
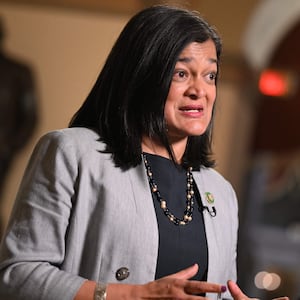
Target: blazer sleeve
x,y
32,249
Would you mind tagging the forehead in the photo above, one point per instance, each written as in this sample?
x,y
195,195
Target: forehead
x,y
206,50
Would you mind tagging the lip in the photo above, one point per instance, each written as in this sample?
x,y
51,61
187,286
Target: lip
x,y
192,110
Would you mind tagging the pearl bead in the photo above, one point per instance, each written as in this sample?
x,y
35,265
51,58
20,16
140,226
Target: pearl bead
x,y
163,204
187,217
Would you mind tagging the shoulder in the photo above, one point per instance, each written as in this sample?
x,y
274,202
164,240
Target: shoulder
x,y
68,151
77,142
73,137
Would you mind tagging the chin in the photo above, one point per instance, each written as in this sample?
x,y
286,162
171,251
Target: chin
x,y
197,132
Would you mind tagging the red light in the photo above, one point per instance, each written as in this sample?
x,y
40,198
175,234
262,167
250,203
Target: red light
x,y
273,83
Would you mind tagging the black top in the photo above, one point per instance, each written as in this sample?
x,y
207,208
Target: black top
x,y
180,246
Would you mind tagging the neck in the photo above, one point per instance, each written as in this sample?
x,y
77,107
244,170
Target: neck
x,y
154,146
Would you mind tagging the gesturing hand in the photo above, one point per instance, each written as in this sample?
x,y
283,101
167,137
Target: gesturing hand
x,y
178,286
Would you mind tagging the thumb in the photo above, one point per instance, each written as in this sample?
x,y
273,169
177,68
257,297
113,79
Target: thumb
x,y
185,273
235,291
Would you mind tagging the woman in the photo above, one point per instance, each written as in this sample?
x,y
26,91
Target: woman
x,y
124,204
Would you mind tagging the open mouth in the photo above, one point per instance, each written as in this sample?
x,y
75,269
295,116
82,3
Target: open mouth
x,y
192,109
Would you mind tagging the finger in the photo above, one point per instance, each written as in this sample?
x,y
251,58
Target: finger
x,y
235,291
196,287
281,298
185,273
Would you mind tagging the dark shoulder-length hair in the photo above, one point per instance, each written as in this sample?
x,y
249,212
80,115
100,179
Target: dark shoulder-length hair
x,y
130,92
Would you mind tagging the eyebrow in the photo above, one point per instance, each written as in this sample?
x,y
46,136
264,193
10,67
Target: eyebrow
x,y
189,59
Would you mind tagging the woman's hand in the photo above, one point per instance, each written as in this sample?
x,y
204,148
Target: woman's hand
x,y
178,284
237,294
175,286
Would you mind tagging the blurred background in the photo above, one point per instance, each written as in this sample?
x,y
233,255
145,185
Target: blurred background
x,y
52,50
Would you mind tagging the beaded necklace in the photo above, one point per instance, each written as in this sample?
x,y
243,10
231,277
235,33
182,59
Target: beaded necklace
x,y
188,212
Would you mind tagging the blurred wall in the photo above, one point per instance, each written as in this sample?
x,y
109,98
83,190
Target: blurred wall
x,y
66,50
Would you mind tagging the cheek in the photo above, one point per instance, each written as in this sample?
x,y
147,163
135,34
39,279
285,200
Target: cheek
x,y
172,95
210,108
212,104
168,112
213,94
211,111
212,99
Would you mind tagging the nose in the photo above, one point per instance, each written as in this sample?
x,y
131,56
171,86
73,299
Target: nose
x,y
196,89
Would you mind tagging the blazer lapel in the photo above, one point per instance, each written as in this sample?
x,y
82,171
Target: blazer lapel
x,y
147,230
210,227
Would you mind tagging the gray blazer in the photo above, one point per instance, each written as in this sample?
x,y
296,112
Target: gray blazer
x,y
78,217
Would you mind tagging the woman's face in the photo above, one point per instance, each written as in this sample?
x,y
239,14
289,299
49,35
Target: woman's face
x,y
192,93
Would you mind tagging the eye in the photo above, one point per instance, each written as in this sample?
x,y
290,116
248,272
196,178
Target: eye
x,y
180,75
212,76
